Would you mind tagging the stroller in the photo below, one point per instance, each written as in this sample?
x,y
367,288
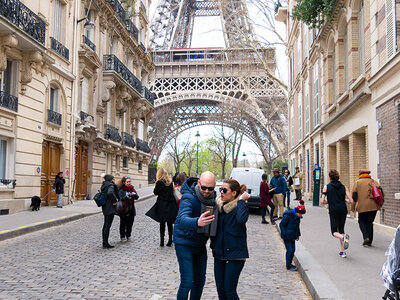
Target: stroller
x,y
391,269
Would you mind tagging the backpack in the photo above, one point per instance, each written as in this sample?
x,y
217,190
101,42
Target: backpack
x,y
100,199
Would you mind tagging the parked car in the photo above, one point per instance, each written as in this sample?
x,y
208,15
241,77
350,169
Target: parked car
x,y
251,177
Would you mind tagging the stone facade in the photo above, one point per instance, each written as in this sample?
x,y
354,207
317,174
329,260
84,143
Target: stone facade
x,y
73,97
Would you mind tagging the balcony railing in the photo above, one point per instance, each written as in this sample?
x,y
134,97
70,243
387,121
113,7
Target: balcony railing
x,y
132,29
89,43
22,17
112,133
119,10
85,116
7,182
59,48
54,117
8,101
142,146
143,47
112,63
128,140
148,95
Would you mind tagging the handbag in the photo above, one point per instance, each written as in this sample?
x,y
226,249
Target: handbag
x,y
297,181
376,194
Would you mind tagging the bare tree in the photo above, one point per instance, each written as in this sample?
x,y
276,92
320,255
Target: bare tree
x,y
178,151
189,159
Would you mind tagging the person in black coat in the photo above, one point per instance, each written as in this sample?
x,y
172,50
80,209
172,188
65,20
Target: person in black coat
x,y
110,190
128,195
58,187
165,209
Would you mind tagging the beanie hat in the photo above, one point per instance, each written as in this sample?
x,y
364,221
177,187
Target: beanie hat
x,y
108,177
275,170
300,208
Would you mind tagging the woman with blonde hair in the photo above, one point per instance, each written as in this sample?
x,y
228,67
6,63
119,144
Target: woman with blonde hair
x,y
165,208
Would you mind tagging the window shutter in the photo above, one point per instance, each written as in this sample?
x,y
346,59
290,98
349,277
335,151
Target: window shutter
x,y
390,28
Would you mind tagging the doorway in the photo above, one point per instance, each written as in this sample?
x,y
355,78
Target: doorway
x,y
81,170
50,168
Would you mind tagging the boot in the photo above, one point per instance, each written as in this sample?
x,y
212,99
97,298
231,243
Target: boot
x,y
264,221
272,221
169,244
162,241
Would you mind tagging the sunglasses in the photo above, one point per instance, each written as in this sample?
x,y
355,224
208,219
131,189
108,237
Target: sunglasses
x,y
223,190
127,177
210,188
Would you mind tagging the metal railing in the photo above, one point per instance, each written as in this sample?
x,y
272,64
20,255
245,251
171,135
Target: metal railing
x,y
148,95
7,182
85,116
128,140
119,10
59,48
54,117
112,63
25,19
112,133
8,101
132,29
89,43
142,146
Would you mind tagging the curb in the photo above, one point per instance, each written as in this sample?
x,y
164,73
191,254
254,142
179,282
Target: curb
x,y
8,234
315,278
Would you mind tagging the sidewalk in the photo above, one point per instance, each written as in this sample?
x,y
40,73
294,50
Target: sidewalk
x,y
28,221
327,275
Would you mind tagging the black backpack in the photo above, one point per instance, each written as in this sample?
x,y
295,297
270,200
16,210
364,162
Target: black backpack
x,y
100,199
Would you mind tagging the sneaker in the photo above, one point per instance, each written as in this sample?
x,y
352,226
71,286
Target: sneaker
x,y
342,254
346,241
292,268
128,239
59,206
123,239
107,246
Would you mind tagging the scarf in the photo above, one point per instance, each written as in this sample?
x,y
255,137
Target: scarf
x,y
364,175
227,207
210,229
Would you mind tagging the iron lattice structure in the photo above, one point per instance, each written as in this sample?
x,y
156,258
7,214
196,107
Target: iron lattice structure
x,y
227,87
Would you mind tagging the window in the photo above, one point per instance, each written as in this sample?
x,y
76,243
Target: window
x,y
360,19
141,130
143,36
85,95
390,15
300,113
87,31
113,46
346,61
316,95
57,23
307,108
317,154
54,99
140,166
291,71
125,162
7,157
9,78
333,77
299,54
291,125
305,41
3,158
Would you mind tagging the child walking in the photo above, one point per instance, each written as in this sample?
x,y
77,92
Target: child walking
x,y
290,231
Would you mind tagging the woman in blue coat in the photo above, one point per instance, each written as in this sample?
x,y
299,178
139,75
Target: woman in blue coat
x,y
230,244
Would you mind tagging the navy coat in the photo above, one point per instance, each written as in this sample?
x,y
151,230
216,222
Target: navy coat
x,y
279,183
290,225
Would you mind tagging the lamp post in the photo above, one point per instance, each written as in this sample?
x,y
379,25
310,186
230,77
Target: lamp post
x,y
244,159
197,154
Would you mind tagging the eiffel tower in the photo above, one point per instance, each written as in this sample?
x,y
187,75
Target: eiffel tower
x,y
195,87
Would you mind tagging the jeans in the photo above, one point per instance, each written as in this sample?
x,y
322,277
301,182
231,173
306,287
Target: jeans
x,y
59,199
290,249
192,266
263,212
226,273
287,198
125,226
278,202
366,223
106,228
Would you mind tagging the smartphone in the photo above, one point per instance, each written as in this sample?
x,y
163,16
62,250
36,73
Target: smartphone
x,y
210,209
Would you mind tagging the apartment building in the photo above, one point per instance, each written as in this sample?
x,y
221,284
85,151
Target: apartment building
x,y
73,97
343,100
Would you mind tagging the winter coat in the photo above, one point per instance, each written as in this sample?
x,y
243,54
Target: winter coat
x,y
185,229
111,191
165,208
279,183
59,185
265,197
290,225
128,203
361,195
300,176
336,195
231,240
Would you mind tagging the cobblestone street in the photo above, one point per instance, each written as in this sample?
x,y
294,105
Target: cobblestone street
x,y
68,262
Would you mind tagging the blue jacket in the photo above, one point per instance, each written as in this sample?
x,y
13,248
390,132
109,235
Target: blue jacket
x,y
231,239
290,225
185,229
279,183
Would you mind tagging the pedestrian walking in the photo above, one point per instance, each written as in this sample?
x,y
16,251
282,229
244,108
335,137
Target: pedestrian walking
x,y
193,226
165,208
365,205
127,195
180,179
290,232
265,200
298,183
278,184
334,194
58,187
289,183
229,246
110,190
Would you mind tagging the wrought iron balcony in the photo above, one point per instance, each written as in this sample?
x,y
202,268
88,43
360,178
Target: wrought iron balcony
x,y
7,182
132,29
148,95
142,146
143,6
54,117
112,63
85,116
128,140
25,19
143,47
59,48
112,133
88,42
8,101
119,10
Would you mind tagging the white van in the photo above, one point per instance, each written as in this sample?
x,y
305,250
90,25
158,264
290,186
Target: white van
x,y
251,177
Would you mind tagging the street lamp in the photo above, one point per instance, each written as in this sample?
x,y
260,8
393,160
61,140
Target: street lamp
x,y
244,159
197,155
